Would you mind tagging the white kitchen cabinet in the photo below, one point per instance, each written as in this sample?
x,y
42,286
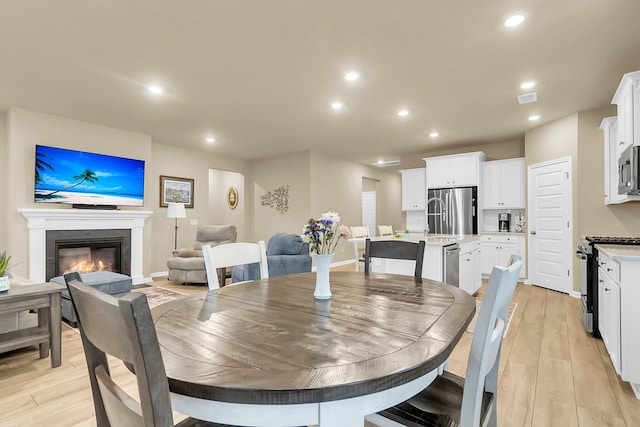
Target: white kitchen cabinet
x,y
470,274
496,249
609,126
503,184
457,170
609,318
413,189
627,98
618,314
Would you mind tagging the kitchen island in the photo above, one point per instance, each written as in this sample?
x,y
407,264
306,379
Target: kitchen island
x,y
469,273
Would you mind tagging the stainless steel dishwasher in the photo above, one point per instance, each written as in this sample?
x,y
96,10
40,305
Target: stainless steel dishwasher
x,y
451,264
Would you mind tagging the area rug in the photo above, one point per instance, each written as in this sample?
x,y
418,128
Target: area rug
x,y
156,295
512,309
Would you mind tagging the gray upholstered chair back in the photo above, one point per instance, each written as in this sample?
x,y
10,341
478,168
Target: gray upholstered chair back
x,y
215,235
287,244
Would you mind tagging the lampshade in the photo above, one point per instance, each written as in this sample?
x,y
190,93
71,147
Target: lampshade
x,y
176,210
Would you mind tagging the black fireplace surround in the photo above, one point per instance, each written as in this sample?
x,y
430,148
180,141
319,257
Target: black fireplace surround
x,y
57,239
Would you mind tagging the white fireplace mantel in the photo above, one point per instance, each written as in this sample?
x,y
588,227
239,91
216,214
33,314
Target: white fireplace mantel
x,y
41,220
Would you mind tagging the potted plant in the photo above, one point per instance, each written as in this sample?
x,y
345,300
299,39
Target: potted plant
x,y
406,233
4,266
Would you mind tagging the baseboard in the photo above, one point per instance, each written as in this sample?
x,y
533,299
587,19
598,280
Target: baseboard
x,y
159,274
156,275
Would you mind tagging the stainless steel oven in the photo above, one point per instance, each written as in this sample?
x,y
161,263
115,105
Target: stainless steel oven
x,y
587,253
582,254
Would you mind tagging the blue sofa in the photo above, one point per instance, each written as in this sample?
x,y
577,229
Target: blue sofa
x,y
286,254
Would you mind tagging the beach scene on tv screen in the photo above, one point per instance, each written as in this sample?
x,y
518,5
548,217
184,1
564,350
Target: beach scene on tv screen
x,y
77,177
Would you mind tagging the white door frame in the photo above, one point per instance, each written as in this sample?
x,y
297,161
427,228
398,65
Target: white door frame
x,y
569,243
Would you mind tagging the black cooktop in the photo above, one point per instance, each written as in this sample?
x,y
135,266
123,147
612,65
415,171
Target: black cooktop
x,y
613,240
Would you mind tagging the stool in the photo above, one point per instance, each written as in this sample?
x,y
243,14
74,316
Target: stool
x,y
111,283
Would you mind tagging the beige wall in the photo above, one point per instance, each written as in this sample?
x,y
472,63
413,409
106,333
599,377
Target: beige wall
x,y
578,136
219,210
192,164
269,174
25,129
336,185
5,186
596,218
551,141
28,129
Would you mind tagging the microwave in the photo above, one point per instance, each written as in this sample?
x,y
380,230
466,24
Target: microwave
x,y
628,171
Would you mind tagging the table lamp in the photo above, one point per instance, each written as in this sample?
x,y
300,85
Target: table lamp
x,y
176,210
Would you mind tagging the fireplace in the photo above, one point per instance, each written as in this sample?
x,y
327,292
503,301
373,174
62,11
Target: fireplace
x,y
41,221
87,250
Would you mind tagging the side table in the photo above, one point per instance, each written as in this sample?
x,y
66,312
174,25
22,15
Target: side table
x,y
46,299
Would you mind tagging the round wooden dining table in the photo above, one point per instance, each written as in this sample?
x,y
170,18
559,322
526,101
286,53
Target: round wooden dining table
x,y
266,353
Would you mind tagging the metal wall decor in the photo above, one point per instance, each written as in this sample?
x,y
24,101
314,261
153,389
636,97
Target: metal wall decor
x,y
232,197
277,199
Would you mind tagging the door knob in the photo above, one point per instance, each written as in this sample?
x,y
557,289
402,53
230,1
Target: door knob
x,y
533,231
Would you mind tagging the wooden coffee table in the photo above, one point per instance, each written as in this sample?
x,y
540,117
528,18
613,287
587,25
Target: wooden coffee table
x,y
46,299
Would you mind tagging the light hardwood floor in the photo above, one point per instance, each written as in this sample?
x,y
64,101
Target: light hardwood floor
x,y
552,373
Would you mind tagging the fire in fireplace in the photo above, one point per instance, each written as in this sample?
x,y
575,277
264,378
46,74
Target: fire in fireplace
x,y
87,251
86,259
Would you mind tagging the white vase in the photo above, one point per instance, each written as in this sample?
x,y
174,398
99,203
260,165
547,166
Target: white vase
x,y
4,283
323,288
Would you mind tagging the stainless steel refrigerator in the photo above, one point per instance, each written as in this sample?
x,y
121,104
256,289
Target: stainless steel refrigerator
x,y
453,210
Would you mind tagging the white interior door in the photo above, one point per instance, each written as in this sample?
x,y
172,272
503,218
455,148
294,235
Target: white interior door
x,y
550,225
369,211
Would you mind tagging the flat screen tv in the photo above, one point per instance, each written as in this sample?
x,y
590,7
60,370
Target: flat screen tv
x,y
87,179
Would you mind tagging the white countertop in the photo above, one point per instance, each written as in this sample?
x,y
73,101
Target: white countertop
x,y
431,240
621,252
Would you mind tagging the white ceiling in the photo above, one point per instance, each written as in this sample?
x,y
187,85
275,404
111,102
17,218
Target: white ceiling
x,y
260,75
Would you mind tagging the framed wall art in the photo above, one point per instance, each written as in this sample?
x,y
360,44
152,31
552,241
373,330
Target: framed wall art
x,y
176,190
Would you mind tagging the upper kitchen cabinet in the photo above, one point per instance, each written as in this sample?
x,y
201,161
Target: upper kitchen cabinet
x,y
627,98
503,184
458,170
413,189
610,125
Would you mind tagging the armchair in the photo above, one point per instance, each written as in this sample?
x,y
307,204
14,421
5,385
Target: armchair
x,y
187,265
286,254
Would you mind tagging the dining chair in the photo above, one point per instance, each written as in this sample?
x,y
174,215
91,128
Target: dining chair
x,y
394,249
359,232
472,401
122,328
232,254
385,230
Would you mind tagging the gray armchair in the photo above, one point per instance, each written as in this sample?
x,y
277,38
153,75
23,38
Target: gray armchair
x,y
187,265
286,254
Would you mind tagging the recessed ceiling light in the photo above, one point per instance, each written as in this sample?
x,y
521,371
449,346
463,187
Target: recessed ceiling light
x,y
403,113
527,85
210,139
352,75
534,118
514,21
433,134
155,89
337,105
